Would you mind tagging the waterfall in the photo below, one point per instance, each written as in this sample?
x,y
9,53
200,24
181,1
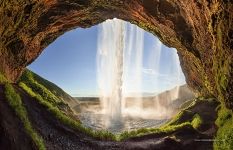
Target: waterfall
x,y
154,66
133,63
110,67
120,68
176,72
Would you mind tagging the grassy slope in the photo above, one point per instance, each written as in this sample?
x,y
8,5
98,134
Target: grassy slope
x,y
45,93
49,91
62,117
15,102
54,89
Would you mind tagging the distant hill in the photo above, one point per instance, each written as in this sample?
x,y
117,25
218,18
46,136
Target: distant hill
x,y
169,99
172,98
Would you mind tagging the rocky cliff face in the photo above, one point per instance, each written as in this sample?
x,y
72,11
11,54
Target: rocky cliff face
x,y
201,31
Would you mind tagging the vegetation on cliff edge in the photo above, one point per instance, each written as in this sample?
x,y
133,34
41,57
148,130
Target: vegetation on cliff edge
x,y
49,91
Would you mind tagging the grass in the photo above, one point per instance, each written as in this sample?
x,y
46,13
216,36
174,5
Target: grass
x,y
29,80
15,102
103,135
224,136
146,131
29,77
47,90
184,115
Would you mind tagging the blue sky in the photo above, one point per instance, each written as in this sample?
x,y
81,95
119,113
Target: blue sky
x,y
70,62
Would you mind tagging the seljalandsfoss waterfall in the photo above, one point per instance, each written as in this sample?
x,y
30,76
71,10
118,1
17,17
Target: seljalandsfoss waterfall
x,y
121,70
120,73
110,68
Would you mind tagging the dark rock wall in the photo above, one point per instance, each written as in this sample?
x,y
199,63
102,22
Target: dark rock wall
x,y
201,31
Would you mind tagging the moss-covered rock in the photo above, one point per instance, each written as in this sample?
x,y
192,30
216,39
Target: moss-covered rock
x,y
224,136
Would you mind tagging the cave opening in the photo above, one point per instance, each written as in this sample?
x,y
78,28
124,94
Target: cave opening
x,y
84,63
36,109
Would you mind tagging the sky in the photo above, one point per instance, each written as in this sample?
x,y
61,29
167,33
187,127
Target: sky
x,y
70,62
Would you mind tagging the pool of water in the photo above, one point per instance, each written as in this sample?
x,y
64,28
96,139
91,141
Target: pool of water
x,y
98,121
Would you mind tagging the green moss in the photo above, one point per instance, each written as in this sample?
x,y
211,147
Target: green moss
x,y
104,135
15,102
197,121
36,85
180,117
218,27
186,104
145,131
29,76
223,115
224,137
3,79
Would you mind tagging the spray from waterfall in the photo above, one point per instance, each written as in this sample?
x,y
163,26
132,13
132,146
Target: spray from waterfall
x,y
120,72
133,65
177,71
154,66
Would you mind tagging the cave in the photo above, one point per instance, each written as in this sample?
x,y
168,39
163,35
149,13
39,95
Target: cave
x,y
201,31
